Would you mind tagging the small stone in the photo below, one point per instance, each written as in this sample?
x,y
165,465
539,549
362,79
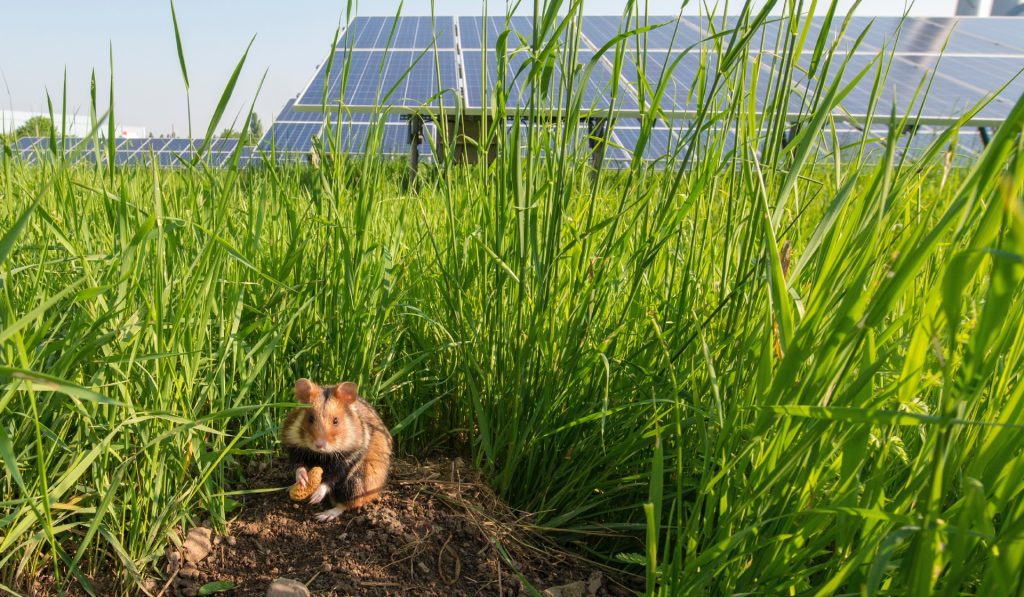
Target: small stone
x,y
286,587
217,540
573,589
198,544
594,583
327,567
150,585
173,561
188,571
232,541
423,567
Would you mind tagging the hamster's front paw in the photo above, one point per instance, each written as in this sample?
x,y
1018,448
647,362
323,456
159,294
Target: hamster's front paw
x,y
320,493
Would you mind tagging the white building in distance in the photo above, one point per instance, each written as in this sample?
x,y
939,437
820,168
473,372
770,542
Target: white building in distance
x,y
78,125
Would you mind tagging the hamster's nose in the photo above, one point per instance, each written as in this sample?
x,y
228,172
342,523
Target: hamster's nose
x,y
320,444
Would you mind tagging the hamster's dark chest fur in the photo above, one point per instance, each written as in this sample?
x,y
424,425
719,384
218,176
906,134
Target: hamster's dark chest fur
x,y
342,470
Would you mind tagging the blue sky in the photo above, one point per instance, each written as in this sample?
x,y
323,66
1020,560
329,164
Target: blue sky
x,y
39,40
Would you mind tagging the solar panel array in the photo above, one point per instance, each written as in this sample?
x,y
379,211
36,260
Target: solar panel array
x,y
414,64
425,65
129,152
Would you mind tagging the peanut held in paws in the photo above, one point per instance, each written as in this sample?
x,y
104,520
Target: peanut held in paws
x,y
300,492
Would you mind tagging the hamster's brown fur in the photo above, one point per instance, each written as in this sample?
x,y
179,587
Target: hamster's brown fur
x,y
341,433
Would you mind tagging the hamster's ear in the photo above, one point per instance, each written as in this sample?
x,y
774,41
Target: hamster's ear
x,y
304,390
346,392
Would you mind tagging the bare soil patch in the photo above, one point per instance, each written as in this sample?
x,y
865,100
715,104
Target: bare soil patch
x,y
438,530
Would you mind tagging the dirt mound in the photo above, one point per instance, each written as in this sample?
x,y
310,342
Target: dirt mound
x,y
437,531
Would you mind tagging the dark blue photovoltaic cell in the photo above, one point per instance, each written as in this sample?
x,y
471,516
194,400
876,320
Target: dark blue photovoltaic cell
x,y
768,37
958,84
290,137
481,70
132,152
915,36
924,35
126,150
687,77
168,159
177,146
220,145
970,79
898,91
30,149
1005,34
661,143
389,139
664,32
142,155
289,114
476,33
471,32
395,78
27,142
248,157
482,80
408,33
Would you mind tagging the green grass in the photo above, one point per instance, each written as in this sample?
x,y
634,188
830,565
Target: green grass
x,y
637,361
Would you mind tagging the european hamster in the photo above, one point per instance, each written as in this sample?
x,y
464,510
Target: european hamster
x,y
342,434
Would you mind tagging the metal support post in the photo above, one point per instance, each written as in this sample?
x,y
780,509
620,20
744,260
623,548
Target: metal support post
x,y
415,124
790,134
985,136
597,139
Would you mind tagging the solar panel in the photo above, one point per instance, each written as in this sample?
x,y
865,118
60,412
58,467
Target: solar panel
x,y
395,78
662,33
26,143
143,155
378,79
479,33
481,72
409,33
1003,33
288,137
949,85
385,139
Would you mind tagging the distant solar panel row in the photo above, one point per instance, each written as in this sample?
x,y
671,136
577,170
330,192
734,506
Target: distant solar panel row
x,y
453,62
164,152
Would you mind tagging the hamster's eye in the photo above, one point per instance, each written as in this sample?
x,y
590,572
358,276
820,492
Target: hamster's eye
x,y
335,420
310,418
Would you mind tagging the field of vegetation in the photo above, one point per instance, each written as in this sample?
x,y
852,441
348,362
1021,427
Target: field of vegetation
x,y
749,367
